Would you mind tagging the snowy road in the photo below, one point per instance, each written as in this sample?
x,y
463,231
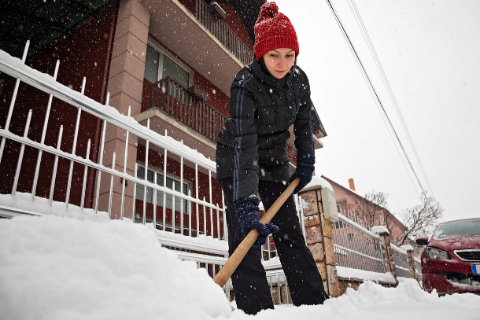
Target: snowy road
x,y
91,268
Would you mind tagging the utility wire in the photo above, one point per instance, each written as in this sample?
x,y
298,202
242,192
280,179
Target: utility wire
x,y
373,52
370,84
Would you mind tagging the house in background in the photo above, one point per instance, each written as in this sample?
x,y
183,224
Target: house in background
x,y
359,209
167,63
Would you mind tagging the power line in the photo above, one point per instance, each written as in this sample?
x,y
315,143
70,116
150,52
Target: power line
x,y
370,84
373,52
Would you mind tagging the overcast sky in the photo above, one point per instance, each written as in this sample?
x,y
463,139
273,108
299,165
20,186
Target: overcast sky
x,y
430,52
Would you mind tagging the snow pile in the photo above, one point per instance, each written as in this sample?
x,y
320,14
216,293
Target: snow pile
x,y
23,202
208,242
55,267
372,302
348,273
407,298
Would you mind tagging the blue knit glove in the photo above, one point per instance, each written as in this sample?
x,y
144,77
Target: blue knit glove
x,y
248,215
305,168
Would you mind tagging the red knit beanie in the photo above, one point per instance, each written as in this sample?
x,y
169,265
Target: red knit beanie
x,y
273,30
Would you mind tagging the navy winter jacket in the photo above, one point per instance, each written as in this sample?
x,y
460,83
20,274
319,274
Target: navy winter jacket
x,y
253,144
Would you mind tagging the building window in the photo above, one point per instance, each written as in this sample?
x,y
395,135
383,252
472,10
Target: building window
x,y
158,178
158,66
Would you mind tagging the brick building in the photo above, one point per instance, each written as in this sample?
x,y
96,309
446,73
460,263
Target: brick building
x,y
356,207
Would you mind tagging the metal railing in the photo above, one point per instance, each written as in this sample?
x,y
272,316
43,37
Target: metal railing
x,y
223,32
200,217
357,247
176,100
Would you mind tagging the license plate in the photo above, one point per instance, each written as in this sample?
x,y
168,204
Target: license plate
x,y
475,268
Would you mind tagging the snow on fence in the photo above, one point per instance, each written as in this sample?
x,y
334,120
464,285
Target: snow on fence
x,y
356,247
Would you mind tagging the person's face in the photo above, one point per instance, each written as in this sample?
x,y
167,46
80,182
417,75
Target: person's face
x,y
279,61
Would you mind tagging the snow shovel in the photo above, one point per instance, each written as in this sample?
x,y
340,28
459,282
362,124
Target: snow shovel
x,y
232,263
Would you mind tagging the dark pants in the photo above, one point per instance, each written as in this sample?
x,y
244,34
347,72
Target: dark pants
x,y
250,285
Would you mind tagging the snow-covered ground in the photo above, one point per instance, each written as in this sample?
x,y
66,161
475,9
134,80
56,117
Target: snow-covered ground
x,y
55,267
350,273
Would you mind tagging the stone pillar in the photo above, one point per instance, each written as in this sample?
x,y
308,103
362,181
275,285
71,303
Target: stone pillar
x,y
125,85
387,251
319,238
411,262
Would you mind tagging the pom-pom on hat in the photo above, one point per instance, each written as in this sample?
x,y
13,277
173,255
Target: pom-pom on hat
x,y
273,30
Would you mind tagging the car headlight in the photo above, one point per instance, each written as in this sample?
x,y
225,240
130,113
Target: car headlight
x,y
434,253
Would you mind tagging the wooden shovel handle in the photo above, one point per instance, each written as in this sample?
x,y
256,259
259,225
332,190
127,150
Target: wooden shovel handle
x,y
232,263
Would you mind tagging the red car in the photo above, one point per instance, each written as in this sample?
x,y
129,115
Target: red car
x,y
451,260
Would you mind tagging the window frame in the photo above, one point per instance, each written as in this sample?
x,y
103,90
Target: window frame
x,y
162,53
187,205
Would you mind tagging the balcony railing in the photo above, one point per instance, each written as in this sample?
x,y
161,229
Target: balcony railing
x,y
222,32
177,101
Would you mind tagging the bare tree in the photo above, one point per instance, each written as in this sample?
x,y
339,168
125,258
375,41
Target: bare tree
x,y
421,219
372,209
